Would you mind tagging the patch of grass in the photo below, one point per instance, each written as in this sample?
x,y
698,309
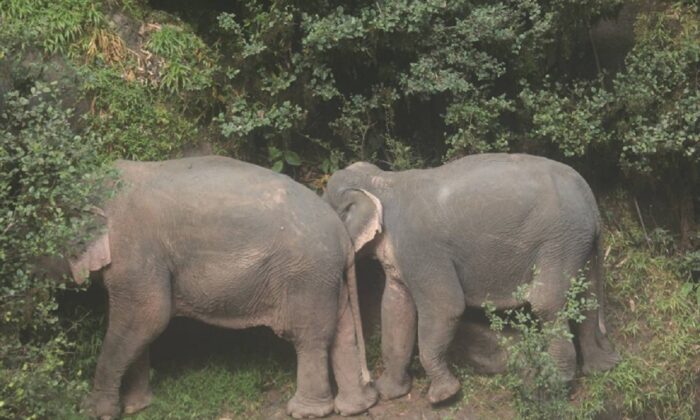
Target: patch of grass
x,y
54,26
226,376
485,394
655,322
189,64
197,392
134,121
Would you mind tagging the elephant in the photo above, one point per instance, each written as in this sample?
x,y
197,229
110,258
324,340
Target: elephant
x,y
455,236
234,245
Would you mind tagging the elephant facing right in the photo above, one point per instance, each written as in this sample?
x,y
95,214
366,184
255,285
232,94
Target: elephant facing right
x,y
467,232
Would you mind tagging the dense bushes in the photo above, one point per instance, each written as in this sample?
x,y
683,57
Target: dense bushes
x,y
306,88
49,179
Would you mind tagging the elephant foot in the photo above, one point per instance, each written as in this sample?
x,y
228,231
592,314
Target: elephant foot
x,y
390,388
599,360
443,388
347,404
101,407
136,402
300,407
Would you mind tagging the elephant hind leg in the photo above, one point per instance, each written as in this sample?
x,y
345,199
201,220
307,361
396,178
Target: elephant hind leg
x,y
597,353
354,396
547,298
311,326
313,397
136,317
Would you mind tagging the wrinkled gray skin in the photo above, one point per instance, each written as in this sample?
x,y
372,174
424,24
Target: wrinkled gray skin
x,y
464,233
234,245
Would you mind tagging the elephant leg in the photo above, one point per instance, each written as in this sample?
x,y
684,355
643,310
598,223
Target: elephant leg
x,y
135,320
547,298
137,391
597,354
399,320
313,312
313,397
354,396
440,303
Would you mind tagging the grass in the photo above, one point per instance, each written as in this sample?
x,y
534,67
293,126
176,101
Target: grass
x,y
201,372
208,390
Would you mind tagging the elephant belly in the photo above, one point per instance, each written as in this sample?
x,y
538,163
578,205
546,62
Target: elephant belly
x,y
230,295
495,278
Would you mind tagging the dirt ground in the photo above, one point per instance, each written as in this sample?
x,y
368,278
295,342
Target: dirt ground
x,y
414,406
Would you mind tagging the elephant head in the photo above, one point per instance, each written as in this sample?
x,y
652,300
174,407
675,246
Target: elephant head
x,y
95,255
354,194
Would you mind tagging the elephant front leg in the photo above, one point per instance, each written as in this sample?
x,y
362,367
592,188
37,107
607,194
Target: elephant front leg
x,y
313,397
137,391
135,320
398,340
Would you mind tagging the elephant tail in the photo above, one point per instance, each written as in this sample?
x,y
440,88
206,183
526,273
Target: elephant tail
x,y
351,279
596,274
597,352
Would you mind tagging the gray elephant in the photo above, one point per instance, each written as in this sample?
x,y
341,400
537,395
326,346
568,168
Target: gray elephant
x,y
469,231
234,245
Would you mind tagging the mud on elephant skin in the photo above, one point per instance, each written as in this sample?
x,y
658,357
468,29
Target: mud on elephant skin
x,y
234,245
452,237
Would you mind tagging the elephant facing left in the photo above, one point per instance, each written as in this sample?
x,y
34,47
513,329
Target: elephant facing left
x,y
233,245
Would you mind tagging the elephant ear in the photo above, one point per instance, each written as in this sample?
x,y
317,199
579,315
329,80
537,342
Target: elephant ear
x,y
96,256
362,217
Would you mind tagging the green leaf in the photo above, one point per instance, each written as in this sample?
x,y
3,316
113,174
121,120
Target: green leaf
x,y
278,166
292,158
274,153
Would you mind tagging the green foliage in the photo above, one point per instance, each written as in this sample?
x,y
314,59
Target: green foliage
x,y
533,377
188,66
647,116
49,179
278,158
51,25
659,92
657,314
572,119
309,87
205,391
134,122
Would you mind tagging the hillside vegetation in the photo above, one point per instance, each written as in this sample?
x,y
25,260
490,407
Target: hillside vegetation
x,y
610,87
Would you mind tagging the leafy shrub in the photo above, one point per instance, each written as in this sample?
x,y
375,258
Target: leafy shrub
x,y
49,179
51,25
371,72
533,377
188,64
133,121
